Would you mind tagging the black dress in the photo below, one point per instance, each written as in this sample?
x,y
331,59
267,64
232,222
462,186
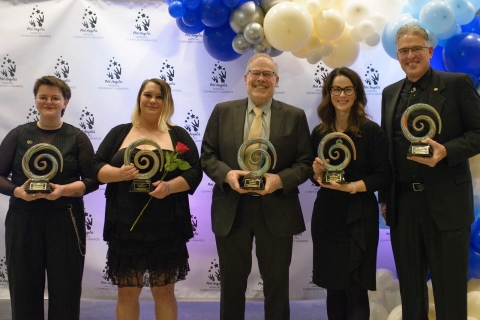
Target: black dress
x,y
157,243
345,226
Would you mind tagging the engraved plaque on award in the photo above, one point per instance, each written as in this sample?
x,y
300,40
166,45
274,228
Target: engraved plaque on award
x,y
142,160
257,157
417,148
335,172
40,183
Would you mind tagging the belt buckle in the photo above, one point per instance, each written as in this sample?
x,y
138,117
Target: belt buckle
x,y
414,185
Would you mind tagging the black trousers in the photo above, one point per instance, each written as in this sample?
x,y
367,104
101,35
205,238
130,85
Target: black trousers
x,y
44,241
418,247
274,255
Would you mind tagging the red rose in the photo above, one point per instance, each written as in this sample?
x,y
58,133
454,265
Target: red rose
x,y
181,148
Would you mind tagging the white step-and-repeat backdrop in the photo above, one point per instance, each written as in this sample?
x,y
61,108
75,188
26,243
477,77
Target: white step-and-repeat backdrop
x,y
104,50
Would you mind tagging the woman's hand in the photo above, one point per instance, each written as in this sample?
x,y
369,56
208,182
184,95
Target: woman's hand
x,y
58,191
129,172
318,169
162,189
20,193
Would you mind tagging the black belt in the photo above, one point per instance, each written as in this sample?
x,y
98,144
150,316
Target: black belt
x,y
412,186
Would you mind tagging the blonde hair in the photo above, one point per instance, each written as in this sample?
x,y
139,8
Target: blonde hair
x,y
167,111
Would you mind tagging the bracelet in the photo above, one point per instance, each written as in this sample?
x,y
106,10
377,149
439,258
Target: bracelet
x,y
169,186
354,187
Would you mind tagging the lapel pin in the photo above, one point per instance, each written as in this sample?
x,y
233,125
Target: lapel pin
x,y
435,89
29,141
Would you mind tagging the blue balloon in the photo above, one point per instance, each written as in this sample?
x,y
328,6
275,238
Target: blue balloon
x,y
197,28
192,4
191,18
218,42
474,264
461,54
230,3
214,13
473,26
176,9
437,60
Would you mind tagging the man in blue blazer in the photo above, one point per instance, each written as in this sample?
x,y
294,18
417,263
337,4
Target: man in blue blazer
x,y
270,216
429,207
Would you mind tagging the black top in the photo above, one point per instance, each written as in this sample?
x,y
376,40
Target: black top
x,y
123,206
74,145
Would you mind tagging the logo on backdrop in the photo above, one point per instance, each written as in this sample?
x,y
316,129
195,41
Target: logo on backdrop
x,y
89,25
3,273
206,185
192,125
192,38
312,188
167,73
258,287
62,69
113,76
87,122
89,226
320,74
312,286
141,28
32,115
218,80
213,277
8,69
36,24
300,238
372,78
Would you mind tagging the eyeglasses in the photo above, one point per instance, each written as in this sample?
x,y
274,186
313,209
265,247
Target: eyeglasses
x,y
257,73
415,50
54,99
336,91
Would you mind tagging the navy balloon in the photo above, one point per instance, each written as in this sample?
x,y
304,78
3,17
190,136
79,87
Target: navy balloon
x,y
197,28
177,9
473,26
461,52
474,256
218,42
190,18
192,4
214,13
437,60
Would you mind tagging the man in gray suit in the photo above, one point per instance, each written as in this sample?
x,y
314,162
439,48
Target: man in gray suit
x,y
429,207
273,215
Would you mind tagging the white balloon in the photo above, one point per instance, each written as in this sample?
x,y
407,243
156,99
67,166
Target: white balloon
x,y
302,53
313,43
345,54
314,56
378,21
373,40
384,278
338,4
375,295
355,36
473,304
473,285
355,11
386,8
313,6
325,4
326,48
365,28
396,313
267,4
253,32
471,318
377,311
288,26
392,295
329,24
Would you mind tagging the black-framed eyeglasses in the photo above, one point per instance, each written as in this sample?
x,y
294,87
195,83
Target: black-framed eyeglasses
x,y
336,91
415,50
265,74
54,99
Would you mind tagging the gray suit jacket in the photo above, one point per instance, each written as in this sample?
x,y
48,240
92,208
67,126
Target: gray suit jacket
x,y
448,185
290,136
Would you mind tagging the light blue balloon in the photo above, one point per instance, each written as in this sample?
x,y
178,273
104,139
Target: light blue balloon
x,y
416,5
476,4
450,32
458,6
389,44
467,16
393,25
437,16
432,38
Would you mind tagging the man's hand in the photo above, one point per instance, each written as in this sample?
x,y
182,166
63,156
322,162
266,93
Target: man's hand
x,y
439,152
272,184
232,179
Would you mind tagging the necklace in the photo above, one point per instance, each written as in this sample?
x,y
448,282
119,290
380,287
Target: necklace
x,y
49,127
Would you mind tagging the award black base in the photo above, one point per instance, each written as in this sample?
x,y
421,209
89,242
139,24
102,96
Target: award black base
x,y
420,150
141,185
252,183
336,176
38,186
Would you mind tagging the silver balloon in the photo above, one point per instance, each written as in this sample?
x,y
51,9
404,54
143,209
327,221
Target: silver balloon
x,y
240,44
244,14
253,32
262,47
267,4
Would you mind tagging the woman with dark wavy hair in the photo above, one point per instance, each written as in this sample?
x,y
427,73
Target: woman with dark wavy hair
x,y
345,215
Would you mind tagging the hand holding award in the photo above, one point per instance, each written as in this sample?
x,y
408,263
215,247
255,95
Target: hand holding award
x,y
335,172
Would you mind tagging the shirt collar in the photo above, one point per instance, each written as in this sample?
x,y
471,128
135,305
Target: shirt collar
x,y
266,107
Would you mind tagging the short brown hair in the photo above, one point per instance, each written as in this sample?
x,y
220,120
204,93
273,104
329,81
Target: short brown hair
x,y
55,82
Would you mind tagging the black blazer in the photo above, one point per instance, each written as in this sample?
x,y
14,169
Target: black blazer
x,y
448,185
290,136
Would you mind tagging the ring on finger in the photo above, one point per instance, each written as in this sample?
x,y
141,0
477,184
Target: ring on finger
x,y
48,197
33,194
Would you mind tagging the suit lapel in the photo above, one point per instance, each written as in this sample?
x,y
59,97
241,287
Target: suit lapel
x,y
276,120
391,107
239,122
435,97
